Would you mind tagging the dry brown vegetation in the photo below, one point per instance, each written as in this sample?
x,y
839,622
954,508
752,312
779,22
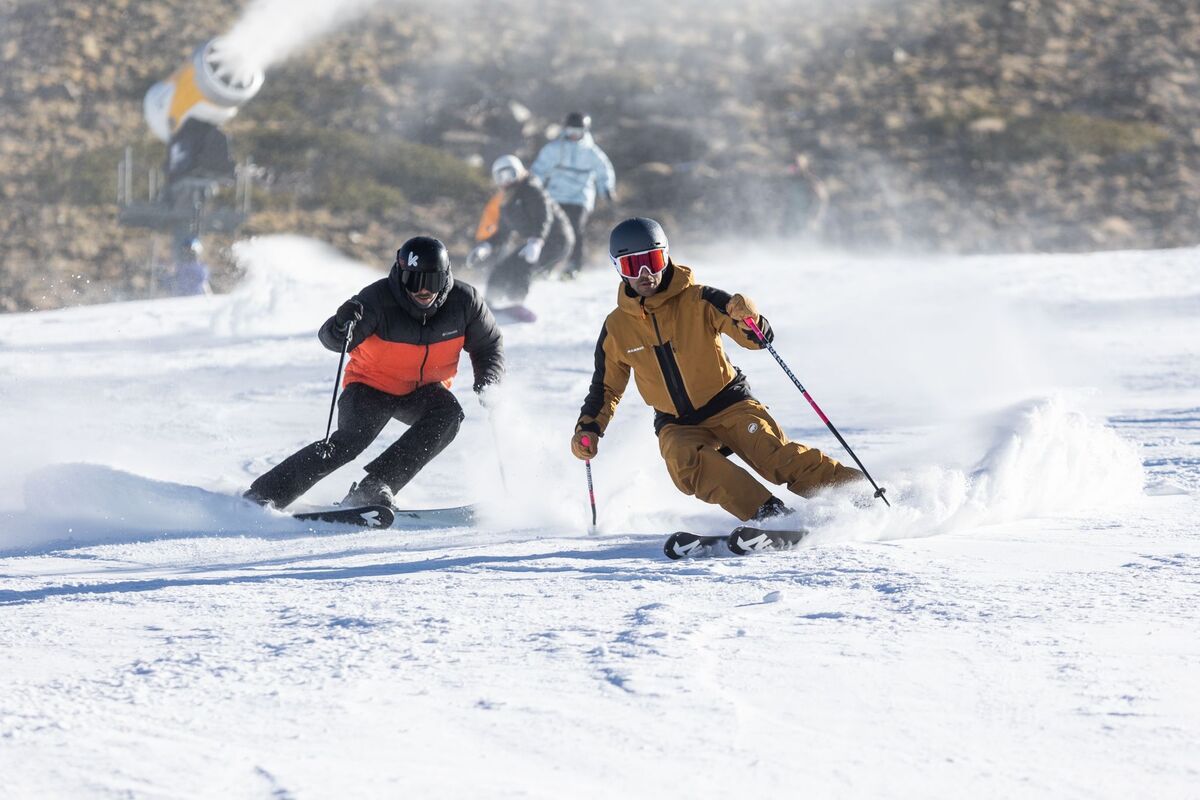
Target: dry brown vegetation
x,y
936,124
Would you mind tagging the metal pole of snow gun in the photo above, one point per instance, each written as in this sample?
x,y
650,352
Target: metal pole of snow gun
x,y
879,492
587,463
325,447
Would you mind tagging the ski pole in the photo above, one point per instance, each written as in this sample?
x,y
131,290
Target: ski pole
x,y
325,447
763,339
496,447
587,463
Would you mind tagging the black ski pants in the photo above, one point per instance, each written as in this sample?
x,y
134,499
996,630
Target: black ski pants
x,y
431,412
578,215
511,278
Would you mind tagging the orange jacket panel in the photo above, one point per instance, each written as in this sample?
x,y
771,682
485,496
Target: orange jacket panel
x,y
489,220
398,368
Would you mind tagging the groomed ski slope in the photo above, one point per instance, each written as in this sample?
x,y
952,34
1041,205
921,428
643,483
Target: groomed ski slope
x,y
1024,621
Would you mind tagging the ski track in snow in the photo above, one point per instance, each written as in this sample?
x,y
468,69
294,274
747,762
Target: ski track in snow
x,y
1023,622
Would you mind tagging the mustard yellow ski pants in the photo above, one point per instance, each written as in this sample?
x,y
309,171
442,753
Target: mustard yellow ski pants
x,y
698,469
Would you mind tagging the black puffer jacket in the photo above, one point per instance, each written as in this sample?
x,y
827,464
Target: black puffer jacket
x,y
399,346
530,213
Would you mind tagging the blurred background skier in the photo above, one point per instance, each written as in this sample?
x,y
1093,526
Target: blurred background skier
x,y
575,170
805,200
542,232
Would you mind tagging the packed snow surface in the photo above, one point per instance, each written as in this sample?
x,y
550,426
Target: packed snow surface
x,y
1025,619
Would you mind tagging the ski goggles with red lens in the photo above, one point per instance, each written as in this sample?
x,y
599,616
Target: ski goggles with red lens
x,y
631,266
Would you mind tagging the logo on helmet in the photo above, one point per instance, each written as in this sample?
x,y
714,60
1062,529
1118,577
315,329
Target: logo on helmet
x,y
752,427
412,259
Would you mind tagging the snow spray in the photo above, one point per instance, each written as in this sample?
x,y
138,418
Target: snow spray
x,y
757,332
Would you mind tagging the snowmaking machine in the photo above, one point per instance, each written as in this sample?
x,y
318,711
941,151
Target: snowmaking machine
x,y
187,193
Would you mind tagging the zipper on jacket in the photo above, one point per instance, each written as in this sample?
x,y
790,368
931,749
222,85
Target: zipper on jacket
x,y
671,373
421,370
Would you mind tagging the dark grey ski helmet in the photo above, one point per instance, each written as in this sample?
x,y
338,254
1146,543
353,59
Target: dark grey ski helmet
x,y
636,235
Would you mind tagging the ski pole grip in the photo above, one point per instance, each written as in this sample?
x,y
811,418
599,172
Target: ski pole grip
x,y
585,441
754,327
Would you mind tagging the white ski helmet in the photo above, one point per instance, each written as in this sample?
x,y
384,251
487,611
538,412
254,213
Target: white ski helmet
x,y
507,170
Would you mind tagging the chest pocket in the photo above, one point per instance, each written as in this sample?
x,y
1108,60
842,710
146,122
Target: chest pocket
x,y
655,366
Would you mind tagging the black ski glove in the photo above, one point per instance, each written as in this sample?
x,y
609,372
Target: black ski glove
x,y
349,311
486,392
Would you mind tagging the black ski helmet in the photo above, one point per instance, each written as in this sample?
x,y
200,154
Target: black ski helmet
x,y
578,119
422,263
636,235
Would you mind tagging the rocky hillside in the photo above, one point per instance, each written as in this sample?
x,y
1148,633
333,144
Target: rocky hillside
x,y
941,125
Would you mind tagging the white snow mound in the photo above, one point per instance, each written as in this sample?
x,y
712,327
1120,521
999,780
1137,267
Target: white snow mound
x,y
1046,460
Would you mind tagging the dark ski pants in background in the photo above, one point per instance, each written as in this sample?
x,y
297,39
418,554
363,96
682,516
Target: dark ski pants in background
x,y
578,215
510,279
431,411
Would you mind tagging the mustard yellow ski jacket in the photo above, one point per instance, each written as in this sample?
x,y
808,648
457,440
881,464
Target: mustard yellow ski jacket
x,y
671,343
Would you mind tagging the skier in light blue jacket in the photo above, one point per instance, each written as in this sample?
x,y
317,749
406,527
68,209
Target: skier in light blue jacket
x,y
574,171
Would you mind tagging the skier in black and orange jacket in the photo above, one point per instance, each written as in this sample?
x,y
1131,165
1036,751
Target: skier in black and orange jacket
x,y
409,330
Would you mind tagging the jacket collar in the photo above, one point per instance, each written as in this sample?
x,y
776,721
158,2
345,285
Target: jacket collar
x,y
676,278
585,141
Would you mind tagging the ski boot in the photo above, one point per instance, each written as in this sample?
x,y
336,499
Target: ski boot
x,y
370,491
774,507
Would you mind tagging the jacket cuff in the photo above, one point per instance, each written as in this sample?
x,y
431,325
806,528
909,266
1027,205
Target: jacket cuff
x,y
591,426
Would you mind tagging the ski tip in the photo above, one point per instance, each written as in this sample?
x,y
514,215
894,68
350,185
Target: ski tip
x,y
746,539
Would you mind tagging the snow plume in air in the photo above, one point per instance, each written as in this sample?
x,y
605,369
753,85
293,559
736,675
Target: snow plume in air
x,y
1044,459
289,282
271,31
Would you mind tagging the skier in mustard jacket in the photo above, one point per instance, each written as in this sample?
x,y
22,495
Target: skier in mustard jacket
x,y
666,331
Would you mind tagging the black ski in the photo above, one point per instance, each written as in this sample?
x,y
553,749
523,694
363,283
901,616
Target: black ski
x,y
742,541
682,544
363,516
746,539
